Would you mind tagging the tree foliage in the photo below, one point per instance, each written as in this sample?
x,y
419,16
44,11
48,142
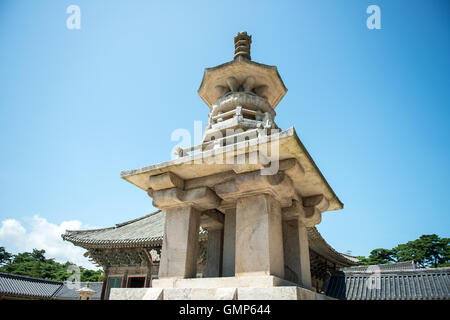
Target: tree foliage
x,y
5,257
35,264
428,251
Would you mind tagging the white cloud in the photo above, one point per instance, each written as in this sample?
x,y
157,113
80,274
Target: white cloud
x,y
38,233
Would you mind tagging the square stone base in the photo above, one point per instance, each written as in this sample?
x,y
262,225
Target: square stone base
x,y
229,288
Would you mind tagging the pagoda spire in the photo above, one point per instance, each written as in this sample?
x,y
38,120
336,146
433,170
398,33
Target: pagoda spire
x,y
242,44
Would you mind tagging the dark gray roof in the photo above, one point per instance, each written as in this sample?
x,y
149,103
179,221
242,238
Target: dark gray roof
x,y
15,285
406,265
68,290
28,287
145,231
148,231
386,282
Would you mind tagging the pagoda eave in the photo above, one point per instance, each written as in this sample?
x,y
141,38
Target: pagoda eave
x,y
192,168
266,77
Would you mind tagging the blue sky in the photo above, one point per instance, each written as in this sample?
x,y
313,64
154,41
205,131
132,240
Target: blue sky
x,y
79,106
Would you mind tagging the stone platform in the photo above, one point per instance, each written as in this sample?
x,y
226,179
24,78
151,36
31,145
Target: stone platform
x,y
226,288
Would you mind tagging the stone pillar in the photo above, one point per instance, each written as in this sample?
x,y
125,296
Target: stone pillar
x,y
259,240
305,266
229,243
296,253
180,245
214,254
291,251
306,212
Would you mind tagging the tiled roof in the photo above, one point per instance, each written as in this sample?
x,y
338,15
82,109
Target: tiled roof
x,y
69,291
28,287
407,265
320,246
149,230
389,282
15,285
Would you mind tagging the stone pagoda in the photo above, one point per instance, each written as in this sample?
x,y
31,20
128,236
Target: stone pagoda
x,y
252,187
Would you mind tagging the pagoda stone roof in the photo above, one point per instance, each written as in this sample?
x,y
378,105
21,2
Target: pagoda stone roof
x,y
148,231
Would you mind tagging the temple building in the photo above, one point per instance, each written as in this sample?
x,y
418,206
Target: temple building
x,y
237,213
129,253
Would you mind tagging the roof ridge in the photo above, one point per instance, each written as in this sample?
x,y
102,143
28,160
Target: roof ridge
x,y
21,277
89,230
118,225
395,271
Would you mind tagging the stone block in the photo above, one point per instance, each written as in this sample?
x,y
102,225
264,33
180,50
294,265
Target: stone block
x,y
136,294
222,282
180,245
200,294
259,241
276,293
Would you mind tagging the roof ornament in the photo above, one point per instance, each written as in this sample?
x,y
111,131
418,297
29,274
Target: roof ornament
x,y
242,44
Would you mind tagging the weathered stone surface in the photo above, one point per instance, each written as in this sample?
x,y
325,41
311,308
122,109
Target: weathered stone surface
x,y
230,293
279,293
201,198
266,77
259,241
275,293
212,219
165,181
180,244
200,294
292,168
214,253
229,243
222,282
193,167
136,294
294,211
307,211
154,294
305,265
278,186
296,252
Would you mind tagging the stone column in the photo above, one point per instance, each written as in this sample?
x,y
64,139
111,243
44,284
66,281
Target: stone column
x,y
306,212
296,252
180,245
305,265
259,241
229,243
214,255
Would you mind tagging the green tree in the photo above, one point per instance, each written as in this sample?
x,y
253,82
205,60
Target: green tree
x,y
378,256
36,270
38,255
34,264
427,251
5,257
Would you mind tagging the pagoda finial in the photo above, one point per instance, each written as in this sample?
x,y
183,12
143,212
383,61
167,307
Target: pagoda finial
x,y
242,44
